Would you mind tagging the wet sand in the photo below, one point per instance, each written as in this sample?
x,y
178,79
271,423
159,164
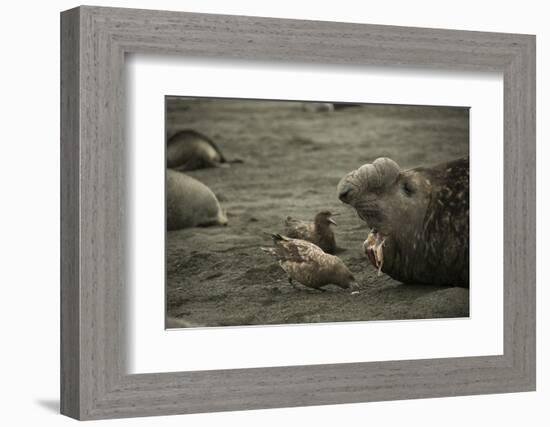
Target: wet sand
x,y
293,160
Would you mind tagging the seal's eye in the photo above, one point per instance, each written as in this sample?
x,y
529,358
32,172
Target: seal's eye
x,y
408,188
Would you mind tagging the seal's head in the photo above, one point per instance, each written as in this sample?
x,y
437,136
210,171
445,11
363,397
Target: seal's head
x,y
419,218
389,200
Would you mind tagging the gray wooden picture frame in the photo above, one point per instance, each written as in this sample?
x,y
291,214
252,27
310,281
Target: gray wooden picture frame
x,y
94,382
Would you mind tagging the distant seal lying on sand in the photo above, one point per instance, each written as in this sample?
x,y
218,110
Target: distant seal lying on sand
x,y
319,231
317,107
189,150
419,219
306,263
190,203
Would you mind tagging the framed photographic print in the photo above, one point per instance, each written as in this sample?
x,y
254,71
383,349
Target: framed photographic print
x,y
261,213
281,186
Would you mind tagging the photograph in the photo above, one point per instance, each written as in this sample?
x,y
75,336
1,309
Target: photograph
x,y
300,212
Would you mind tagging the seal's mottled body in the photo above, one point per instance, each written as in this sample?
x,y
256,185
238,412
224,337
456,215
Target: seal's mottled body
x,y
422,214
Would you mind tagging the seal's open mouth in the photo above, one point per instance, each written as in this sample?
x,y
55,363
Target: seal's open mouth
x,y
374,248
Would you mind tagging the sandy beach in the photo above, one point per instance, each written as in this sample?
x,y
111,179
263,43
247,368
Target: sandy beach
x,y
293,160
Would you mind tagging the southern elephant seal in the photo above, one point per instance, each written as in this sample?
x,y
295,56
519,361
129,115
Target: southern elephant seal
x,y
419,219
317,107
189,150
190,203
